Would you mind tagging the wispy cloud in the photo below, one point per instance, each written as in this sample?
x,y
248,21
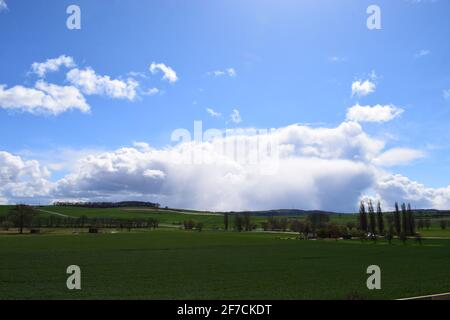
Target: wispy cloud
x,y
168,73
398,157
236,116
422,53
3,5
446,94
52,65
230,72
336,59
213,113
151,91
377,113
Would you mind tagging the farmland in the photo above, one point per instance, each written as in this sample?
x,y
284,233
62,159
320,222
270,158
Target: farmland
x,y
171,263
167,264
212,220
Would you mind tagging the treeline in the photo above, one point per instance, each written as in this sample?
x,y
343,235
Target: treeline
x,y
85,222
401,222
316,225
241,222
107,204
22,216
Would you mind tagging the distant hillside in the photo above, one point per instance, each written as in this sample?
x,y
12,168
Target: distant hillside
x,y
283,212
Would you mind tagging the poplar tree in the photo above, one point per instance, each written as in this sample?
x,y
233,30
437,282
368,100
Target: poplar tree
x,y
362,217
225,221
380,218
372,221
411,221
405,225
398,227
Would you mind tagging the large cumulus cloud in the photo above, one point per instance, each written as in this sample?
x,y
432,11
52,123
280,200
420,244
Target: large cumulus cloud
x,y
308,168
22,180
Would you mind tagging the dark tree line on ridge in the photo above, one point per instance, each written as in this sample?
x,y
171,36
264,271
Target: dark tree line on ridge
x,y
121,204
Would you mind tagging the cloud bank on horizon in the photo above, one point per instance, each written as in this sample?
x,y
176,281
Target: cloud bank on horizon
x,y
325,168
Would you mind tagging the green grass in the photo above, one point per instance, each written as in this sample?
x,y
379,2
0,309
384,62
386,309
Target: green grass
x,y
4,210
175,217
435,231
171,217
207,265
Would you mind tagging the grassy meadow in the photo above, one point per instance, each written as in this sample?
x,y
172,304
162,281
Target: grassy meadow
x,y
211,220
170,263
167,264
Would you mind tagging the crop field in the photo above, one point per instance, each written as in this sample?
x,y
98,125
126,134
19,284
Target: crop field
x,y
175,217
170,263
167,264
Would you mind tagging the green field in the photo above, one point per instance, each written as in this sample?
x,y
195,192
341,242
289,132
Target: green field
x,y
207,265
211,220
175,264
175,217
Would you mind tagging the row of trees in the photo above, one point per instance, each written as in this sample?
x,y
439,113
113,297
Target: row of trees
x,y
121,204
401,221
312,224
23,216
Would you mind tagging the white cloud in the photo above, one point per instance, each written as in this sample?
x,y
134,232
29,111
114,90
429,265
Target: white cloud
x,y
21,179
422,53
398,156
90,83
362,89
3,5
169,74
316,168
152,91
213,113
336,59
43,98
231,72
236,116
395,187
377,113
446,94
52,65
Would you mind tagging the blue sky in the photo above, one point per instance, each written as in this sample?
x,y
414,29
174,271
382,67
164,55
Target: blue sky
x,y
293,61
